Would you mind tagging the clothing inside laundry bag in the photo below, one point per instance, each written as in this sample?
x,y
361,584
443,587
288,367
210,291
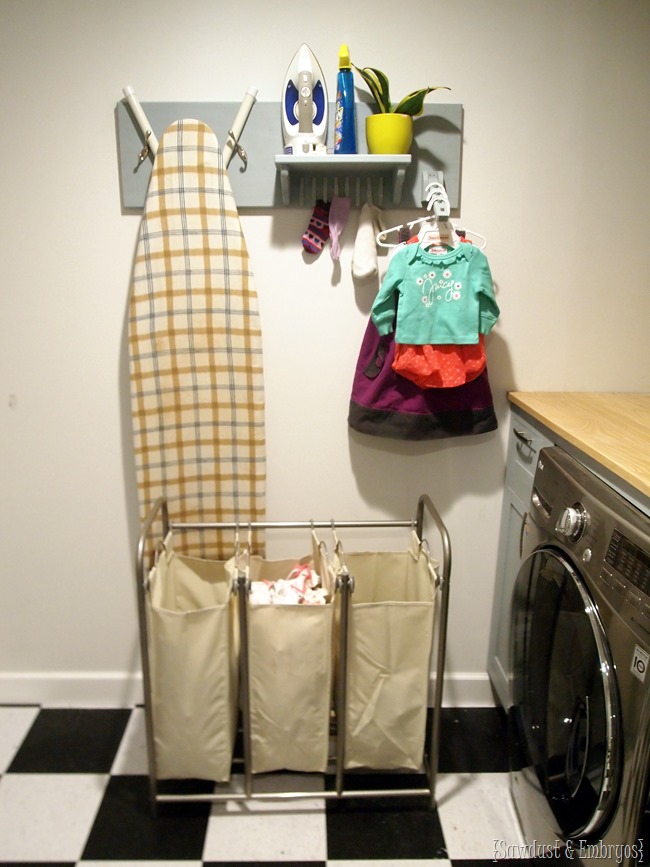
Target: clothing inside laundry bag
x,y
302,586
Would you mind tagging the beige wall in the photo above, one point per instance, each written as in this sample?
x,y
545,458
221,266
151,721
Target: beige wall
x,y
557,135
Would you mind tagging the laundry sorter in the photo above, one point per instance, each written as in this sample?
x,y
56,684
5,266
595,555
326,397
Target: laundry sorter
x,y
235,690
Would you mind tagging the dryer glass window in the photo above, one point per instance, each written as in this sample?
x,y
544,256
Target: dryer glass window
x,y
563,697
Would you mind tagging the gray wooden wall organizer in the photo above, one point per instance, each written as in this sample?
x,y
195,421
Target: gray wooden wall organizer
x,y
270,180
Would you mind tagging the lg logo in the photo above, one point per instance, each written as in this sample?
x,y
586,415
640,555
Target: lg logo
x,y
639,663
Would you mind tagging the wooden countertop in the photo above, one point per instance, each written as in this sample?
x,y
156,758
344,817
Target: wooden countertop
x,y
612,428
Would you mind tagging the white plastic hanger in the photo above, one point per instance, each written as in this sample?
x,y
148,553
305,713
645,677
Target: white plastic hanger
x,y
460,231
437,199
437,233
438,202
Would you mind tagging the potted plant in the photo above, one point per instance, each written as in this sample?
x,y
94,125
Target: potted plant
x,y
390,130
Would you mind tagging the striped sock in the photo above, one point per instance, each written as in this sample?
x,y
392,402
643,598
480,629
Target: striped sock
x,y
318,230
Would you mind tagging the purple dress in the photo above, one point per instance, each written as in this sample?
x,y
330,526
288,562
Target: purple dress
x,y
385,404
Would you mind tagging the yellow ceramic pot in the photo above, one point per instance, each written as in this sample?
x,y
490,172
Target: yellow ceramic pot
x,y
389,133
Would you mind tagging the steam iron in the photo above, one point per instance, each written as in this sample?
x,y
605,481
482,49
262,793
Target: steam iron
x,y
304,105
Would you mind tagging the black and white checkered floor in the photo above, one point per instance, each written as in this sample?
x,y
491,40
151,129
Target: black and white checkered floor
x,y
73,789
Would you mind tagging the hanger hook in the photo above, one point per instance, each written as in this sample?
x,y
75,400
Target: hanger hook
x,y
241,152
146,150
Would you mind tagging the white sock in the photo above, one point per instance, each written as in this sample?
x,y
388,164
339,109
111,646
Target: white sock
x,y
364,257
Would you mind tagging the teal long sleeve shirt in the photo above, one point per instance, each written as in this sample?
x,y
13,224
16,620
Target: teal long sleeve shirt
x,y
428,298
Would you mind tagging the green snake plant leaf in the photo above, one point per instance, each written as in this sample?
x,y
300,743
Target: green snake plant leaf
x,y
377,81
413,103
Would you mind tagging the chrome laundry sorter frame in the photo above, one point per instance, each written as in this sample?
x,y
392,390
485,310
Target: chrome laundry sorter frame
x,y
345,587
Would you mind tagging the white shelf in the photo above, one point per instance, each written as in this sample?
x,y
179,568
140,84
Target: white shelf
x,y
347,167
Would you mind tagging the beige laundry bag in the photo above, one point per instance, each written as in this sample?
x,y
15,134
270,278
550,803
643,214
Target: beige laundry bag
x,y
193,651
290,673
389,648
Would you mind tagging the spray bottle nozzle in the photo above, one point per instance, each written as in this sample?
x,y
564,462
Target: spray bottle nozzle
x,y
344,57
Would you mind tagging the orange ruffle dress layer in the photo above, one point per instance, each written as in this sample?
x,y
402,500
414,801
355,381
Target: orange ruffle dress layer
x,y
440,366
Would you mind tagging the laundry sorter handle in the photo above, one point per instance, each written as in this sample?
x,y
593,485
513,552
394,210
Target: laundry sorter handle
x,y
425,503
159,506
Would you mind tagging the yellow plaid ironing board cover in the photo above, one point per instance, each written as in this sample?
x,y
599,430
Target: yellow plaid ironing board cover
x,y
195,347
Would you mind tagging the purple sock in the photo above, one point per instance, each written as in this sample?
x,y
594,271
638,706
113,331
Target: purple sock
x,y
318,230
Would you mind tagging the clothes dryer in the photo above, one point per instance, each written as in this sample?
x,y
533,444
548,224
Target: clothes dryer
x,y
580,641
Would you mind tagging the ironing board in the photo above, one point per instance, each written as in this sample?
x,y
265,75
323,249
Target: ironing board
x,y
195,347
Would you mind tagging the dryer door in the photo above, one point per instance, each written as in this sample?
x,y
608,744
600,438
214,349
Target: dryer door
x,y
565,695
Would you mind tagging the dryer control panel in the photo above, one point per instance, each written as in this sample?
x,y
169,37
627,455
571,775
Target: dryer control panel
x,y
629,572
607,535
630,561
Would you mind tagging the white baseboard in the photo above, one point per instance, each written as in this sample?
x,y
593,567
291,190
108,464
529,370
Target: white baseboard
x,y
71,688
464,689
122,689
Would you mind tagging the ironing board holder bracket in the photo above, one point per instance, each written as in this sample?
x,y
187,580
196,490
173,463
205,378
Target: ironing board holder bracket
x,y
267,179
